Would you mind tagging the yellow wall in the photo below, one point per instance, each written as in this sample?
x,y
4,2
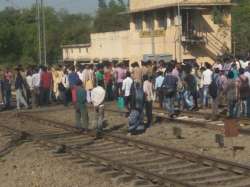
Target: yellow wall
x,y
76,53
133,44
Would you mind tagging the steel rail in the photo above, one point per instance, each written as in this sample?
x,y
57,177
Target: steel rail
x,y
201,124
237,171
154,178
194,157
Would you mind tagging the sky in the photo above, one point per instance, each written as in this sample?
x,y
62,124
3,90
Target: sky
x,y
73,6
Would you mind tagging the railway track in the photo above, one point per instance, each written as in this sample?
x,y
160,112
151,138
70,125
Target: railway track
x,y
206,115
136,160
195,119
202,120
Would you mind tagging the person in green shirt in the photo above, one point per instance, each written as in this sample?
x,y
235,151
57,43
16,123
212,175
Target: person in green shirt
x,y
81,110
99,77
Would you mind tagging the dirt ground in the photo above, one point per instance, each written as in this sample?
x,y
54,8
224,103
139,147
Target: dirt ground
x,y
30,166
194,139
3,138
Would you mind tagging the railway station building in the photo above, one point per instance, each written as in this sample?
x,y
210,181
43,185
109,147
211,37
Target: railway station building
x,y
162,29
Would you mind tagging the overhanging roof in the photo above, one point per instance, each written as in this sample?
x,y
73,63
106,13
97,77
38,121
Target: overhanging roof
x,y
190,5
76,46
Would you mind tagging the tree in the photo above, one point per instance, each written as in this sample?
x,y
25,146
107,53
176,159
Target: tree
x,y
18,34
241,26
110,18
102,4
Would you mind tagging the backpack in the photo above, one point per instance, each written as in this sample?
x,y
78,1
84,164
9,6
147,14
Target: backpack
x,y
167,89
139,98
214,87
244,88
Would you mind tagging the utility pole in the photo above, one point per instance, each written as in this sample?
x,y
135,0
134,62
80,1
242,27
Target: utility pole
x,y
44,34
180,31
39,32
152,32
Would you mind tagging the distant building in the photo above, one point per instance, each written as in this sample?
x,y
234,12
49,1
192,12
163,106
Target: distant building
x,y
202,32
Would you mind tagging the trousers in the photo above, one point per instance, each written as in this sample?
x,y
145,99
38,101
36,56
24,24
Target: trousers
x,y
169,104
20,99
82,118
99,116
149,110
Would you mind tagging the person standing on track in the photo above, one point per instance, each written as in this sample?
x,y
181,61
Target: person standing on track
x,y
98,97
46,83
19,87
126,88
7,82
233,96
158,83
81,109
35,88
136,72
148,91
88,78
1,87
169,89
206,80
214,90
29,86
120,73
73,79
64,88
244,89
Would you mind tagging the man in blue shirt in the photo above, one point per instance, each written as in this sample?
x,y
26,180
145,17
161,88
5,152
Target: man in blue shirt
x,y
158,83
73,78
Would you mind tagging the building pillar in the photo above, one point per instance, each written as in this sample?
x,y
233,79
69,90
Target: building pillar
x,y
144,25
156,25
168,18
132,22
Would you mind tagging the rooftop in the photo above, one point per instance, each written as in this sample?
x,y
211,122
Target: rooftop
x,y
76,45
147,5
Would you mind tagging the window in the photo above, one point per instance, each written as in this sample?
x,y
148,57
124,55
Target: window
x,y
172,16
87,49
80,50
149,19
67,53
217,13
72,51
161,19
138,22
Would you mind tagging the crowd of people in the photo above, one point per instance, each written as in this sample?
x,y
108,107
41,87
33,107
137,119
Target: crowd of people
x,y
172,86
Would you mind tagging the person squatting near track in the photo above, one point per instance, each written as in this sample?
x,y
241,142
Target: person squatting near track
x,y
173,86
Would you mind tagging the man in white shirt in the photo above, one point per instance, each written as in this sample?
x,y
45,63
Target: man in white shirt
x,y
80,74
97,98
35,86
247,74
206,79
148,91
158,83
126,88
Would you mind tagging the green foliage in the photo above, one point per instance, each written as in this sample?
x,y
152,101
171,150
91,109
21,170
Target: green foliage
x,y
217,15
102,4
109,17
241,26
19,35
